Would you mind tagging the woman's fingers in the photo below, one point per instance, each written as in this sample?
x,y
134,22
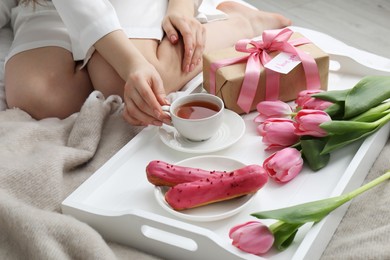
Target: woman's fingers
x,y
194,41
193,35
143,99
170,31
137,112
200,45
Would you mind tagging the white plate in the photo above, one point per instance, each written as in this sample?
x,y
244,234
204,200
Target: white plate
x,y
232,129
214,211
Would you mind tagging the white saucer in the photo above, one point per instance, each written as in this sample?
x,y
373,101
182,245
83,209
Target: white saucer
x,y
214,211
232,129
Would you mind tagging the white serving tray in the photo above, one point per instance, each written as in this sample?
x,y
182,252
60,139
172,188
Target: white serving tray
x,y
119,202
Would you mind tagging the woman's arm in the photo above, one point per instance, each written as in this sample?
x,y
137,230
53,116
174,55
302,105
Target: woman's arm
x,y
87,21
94,23
180,22
143,91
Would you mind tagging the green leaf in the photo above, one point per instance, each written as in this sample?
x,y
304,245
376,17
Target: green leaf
x,y
315,211
343,127
338,141
370,117
374,113
290,219
333,95
311,150
336,111
307,212
284,234
367,93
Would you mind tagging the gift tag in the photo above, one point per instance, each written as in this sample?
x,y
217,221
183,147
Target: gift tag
x,y
283,62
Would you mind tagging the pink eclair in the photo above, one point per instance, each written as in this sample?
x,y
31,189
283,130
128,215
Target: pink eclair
x,y
161,173
246,180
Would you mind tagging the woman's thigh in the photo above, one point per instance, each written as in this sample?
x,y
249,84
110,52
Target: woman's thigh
x,y
45,82
243,22
164,56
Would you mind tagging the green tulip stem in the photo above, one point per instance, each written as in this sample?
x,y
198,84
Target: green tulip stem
x,y
284,232
340,200
315,211
369,185
275,226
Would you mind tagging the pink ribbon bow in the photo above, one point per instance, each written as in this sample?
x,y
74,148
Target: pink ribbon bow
x,y
272,40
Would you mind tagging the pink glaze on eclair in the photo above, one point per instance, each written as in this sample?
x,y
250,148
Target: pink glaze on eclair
x,y
246,180
161,173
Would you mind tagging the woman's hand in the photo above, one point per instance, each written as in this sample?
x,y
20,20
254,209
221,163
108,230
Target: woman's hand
x,y
143,96
143,92
180,22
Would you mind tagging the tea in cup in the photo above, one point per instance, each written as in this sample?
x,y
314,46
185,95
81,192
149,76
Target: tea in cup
x,y
196,117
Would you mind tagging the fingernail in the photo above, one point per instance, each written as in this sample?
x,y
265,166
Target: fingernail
x,y
173,38
187,68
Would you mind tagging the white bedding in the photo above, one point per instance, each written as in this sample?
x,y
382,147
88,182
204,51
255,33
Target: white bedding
x,y
6,39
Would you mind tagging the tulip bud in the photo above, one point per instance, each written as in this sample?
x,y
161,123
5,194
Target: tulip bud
x,y
284,165
306,101
278,133
272,109
252,237
308,121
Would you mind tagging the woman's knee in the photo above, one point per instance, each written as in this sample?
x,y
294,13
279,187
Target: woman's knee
x,y
46,83
47,99
46,95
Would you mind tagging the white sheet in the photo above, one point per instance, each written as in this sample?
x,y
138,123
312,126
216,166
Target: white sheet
x,y
5,43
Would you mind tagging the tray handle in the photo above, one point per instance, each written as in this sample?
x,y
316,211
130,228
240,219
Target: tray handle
x,y
349,65
159,235
345,58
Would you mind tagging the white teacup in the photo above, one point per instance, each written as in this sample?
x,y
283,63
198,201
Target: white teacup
x,y
196,117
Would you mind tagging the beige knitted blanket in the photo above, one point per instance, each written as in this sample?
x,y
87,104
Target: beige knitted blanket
x,y
42,162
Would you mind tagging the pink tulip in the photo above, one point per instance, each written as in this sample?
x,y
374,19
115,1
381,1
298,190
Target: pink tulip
x,y
308,121
252,237
306,101
284,165
272,109
278,133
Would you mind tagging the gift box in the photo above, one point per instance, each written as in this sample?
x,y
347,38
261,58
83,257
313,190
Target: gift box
x,y
229,68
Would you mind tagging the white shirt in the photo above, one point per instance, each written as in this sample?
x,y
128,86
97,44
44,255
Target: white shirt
x,y
77,25
87,21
